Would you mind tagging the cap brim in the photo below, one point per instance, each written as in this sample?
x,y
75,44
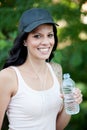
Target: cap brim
x,y
33,25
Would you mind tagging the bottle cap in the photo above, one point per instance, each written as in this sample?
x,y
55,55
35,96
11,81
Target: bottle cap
x,y
66,75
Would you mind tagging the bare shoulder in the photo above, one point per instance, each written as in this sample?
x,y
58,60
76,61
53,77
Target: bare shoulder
x,y
6,74
7,79
57,68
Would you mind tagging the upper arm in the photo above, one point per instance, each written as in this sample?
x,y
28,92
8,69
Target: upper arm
x,y
5,92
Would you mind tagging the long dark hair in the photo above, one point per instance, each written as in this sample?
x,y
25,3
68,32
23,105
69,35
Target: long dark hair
x,y
18,53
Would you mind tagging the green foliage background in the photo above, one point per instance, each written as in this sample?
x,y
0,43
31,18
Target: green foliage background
x,y
72,49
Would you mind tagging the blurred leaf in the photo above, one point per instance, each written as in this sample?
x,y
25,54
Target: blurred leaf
x,y
72,57
57,56
76,59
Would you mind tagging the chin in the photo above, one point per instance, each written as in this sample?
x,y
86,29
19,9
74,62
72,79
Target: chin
x,y
45,58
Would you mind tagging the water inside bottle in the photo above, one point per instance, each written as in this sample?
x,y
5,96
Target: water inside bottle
x,y
71,106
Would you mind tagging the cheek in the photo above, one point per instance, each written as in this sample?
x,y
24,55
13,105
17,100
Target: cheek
x,y
31,47
52,42
32,44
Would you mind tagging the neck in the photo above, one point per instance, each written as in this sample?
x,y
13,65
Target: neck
x,y
38,69
37,64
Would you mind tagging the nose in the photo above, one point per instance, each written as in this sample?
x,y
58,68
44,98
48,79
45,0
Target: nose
x,y
45,41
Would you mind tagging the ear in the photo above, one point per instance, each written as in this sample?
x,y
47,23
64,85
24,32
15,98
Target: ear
x,y
25,43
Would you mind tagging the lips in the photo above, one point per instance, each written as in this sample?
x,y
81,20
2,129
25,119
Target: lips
x,y
44,50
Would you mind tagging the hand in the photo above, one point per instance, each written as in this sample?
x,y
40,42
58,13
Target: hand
x,y
77,95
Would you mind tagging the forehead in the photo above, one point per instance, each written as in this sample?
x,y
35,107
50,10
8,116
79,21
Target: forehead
x,y
42,27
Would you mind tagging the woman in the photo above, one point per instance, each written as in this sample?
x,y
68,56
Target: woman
x,y
30,92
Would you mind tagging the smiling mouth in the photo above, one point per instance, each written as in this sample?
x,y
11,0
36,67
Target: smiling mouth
x,y
44,50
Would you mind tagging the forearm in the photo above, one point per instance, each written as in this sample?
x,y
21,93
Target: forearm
x,y
62,120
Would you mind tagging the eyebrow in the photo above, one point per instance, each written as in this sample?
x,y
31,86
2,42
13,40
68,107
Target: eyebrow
x,y
35,31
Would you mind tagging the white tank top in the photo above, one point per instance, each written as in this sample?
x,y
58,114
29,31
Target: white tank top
x,y
32,109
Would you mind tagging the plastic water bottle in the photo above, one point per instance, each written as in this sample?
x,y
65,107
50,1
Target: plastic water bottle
x,y
71,107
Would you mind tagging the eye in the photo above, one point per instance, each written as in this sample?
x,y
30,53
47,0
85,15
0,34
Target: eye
x,y
51,35
37,36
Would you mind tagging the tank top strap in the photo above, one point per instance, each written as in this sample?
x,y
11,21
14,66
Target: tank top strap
x,y
56,82
19,77
51,70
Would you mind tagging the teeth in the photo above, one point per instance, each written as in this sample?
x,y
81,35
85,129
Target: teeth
x,y
44,50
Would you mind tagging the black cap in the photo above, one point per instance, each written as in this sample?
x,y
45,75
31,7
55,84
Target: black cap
x,y
34,17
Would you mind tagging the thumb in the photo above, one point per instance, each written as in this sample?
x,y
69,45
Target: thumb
x,y
61,95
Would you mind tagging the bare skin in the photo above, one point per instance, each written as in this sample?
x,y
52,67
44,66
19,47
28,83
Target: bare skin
x,y
7,90
39,44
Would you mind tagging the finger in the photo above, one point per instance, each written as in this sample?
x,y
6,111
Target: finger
x,y
78,98
76,91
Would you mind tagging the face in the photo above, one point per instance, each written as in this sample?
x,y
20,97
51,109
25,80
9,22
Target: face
x,y
40,42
